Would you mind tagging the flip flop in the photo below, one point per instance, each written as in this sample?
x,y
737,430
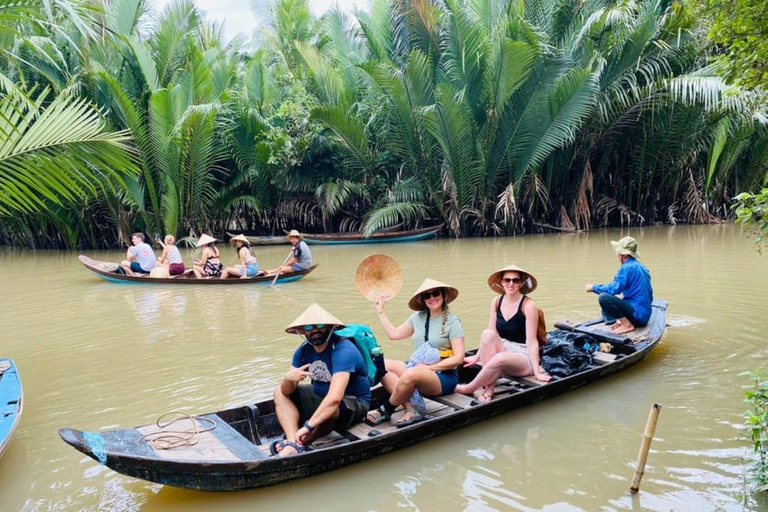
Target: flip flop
x,y
380,416
481,399
277,446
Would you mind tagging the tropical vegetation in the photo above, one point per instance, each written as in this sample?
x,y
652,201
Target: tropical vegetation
x,y
490,116
756,421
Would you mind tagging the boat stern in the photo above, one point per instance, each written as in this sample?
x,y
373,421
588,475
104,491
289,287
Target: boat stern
x,y
90,443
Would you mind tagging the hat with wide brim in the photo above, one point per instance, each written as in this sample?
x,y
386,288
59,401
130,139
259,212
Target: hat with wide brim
x,y
205,240
379,275
294,232
313,315
237,238
417,304
529,281
626,245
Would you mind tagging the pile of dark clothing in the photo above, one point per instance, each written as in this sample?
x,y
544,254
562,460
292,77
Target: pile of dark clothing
x,y
567,353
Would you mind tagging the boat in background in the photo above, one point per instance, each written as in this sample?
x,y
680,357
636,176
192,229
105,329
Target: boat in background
x,y
264,240
10,402
376,237
231,449
108,271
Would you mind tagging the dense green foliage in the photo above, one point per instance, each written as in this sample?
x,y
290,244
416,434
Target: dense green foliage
x,y
740,28
492,117
752,211
756,421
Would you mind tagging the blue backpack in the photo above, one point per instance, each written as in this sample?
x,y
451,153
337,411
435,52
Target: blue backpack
x,y
369,348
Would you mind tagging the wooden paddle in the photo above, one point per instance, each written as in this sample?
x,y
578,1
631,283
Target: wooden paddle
x,y
281,267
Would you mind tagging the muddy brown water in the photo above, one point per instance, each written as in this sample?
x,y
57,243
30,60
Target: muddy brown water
x,y
96,355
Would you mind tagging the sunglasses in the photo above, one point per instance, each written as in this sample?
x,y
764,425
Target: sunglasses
x,y
312,327
513,280
432,294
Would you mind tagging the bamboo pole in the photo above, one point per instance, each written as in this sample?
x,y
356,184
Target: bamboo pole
x,y
650,430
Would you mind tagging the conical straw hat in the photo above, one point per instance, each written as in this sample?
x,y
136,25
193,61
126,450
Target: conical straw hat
x,y
313,315
239,237
417,304
205,240
377,275
529,282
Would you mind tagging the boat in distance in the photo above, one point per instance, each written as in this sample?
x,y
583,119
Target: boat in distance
x,y
411,235
263,240
235,454
11,402
107,271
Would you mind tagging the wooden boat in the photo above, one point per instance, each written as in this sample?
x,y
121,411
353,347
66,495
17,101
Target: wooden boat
x,y
235,454
377,237
107,271
264,240
10,402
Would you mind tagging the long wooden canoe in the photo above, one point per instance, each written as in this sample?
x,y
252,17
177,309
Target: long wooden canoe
x,y
107,271
235,455
10,402
264,240
377,237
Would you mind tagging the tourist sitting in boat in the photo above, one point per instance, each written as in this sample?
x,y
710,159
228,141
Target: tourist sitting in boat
x,y
340,393
438,342
209,264
302,256
140,258
633,282
248,266
510,344
171,257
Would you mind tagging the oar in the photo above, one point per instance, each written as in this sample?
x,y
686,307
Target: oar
x,y
281,268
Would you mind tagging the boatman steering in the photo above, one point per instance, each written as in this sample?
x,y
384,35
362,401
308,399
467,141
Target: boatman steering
x,y
633,282
339,394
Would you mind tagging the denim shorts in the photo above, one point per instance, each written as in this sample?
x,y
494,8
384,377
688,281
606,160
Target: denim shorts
x,y
296,267
251,269
135,267
448,381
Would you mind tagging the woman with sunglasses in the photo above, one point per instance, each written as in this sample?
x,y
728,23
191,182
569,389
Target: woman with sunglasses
x,y
509,345
431,324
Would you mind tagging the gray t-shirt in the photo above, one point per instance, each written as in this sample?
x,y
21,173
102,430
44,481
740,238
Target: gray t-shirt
x,y
144,255
174,256
302,254
437,339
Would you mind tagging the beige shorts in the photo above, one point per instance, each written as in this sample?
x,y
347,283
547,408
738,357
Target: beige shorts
x,y
518,348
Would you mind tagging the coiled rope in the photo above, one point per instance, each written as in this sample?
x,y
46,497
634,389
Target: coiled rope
x,y
167,439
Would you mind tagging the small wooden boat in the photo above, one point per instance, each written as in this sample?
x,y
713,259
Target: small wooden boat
x,y
10,402
108,271
264,240
377,237
235,454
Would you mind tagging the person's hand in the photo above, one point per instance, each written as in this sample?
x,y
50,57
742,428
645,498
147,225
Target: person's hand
x,y
588,288
381,303
298,374
301,436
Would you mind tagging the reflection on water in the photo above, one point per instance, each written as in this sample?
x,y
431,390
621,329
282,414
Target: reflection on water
x,y
100,355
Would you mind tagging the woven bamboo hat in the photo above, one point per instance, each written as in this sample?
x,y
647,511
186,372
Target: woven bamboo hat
x,y
377,275
313,315
205,240
294,232
417,304
529,282
626,245
240,237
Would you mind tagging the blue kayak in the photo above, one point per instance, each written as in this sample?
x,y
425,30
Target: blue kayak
x,y
10,402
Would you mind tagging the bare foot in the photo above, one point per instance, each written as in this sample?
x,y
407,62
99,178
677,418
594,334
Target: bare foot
x,y
624,329
463,389
615,325
469,361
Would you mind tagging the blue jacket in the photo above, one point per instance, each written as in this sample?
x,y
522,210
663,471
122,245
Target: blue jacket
x,y
633,281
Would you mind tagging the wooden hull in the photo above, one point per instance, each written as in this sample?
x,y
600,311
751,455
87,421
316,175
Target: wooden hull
x,y
106,270
234,457
11,402
265,240
379,237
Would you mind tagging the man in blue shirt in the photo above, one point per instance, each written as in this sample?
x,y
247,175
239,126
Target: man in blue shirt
x,y
633,282
339,393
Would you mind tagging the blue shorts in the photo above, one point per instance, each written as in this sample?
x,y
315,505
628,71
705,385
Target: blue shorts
x,y
296,267
251,269
448,381
135,267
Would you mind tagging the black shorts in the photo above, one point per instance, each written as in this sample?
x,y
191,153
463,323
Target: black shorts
x,y
351,410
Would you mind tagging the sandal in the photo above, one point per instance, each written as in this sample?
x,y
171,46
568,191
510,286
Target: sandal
x,y
277,446
378,416
482,398
415,418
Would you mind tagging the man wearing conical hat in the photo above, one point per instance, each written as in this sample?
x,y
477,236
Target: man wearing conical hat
x,y
633,282
140,258
302,256
339,393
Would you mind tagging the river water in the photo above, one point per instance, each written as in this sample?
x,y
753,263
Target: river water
x,y
95,355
